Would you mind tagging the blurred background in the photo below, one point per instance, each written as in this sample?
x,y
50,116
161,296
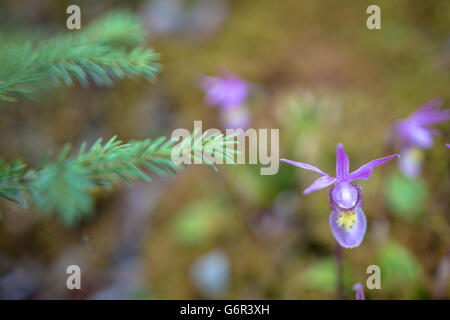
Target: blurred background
x,y
235,234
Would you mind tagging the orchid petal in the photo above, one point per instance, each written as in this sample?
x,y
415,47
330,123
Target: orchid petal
x,y
432,117
433,104
320,183
414,134
342,162
304,166
365,171
421,136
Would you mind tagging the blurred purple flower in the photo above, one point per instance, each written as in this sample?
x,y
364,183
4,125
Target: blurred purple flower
x,y
347,219
448,145
229,93
358,288
414,131
415,134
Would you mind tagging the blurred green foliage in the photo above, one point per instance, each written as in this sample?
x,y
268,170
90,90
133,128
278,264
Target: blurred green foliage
x,y
322,276
400,270
99,53
198,221
406,197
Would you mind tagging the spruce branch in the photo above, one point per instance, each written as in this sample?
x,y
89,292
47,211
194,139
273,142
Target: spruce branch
x,y
10,181
110,49
64,185
119,28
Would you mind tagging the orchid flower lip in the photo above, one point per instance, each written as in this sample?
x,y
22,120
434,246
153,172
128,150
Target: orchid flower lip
x,y
348,237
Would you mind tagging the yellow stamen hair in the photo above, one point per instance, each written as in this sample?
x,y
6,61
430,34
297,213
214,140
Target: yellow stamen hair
x,y
346,220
